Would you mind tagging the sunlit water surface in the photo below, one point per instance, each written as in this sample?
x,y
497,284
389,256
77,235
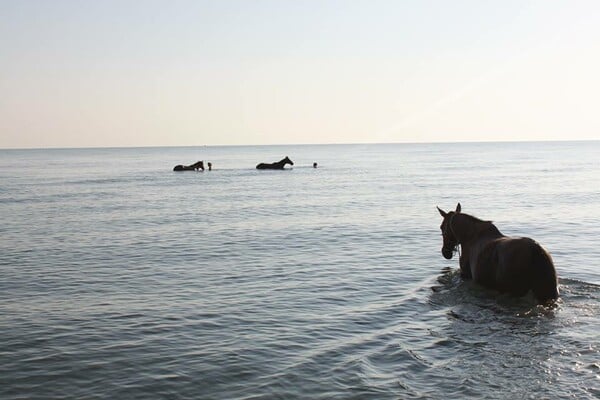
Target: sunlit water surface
x,y
120,279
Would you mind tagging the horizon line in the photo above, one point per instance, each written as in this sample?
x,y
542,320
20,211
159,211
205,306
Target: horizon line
x,y
305,144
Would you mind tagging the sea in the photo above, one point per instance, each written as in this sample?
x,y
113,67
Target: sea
x,y
121,279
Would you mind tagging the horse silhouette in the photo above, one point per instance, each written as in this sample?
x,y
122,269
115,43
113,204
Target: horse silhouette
x,y
194,167
513,265
275,165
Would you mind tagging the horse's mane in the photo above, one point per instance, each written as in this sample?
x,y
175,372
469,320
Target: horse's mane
x,y
474,219
484,225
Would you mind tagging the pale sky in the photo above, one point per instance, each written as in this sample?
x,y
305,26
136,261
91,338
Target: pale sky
x,y
185,73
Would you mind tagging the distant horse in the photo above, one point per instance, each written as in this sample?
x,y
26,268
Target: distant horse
x,y
276,165
194,167
507,264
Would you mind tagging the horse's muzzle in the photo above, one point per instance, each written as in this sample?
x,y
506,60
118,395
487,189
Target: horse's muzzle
x,y
447,253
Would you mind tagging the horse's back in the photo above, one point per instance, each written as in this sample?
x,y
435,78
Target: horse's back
x,y
269,166
197,165
523,265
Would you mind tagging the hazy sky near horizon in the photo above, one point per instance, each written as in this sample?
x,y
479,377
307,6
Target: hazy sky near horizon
x,y
157,73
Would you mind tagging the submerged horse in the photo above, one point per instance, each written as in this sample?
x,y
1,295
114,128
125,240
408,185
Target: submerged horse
x,y
194,167
275,165
513,265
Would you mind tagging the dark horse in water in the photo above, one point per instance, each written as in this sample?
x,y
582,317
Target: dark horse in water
x,y
513,265
194,167
275,165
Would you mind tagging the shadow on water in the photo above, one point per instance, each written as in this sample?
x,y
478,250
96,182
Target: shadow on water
x,y
500,346
454,291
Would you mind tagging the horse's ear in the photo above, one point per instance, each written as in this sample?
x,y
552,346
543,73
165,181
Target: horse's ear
x,y
442,212
458,208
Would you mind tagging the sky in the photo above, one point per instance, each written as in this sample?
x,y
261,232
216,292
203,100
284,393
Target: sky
x,y
254,72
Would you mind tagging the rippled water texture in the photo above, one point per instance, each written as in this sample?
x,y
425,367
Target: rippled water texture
x,y
121,279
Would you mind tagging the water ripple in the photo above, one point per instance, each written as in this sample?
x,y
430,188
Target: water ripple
x,y
321,284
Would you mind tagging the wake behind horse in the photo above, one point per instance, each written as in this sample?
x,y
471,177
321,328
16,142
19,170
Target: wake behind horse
x,y
513,265
194,167
276,165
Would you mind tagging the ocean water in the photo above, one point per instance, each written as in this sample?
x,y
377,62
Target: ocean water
x,y
120,279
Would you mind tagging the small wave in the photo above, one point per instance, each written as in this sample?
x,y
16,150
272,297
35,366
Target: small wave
x,y
452,289
569,282
101,181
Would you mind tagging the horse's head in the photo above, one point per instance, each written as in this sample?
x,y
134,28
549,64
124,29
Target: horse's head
x,y
450,241
287,161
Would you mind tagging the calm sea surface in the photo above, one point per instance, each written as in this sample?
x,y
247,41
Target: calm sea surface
x,y
120,279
